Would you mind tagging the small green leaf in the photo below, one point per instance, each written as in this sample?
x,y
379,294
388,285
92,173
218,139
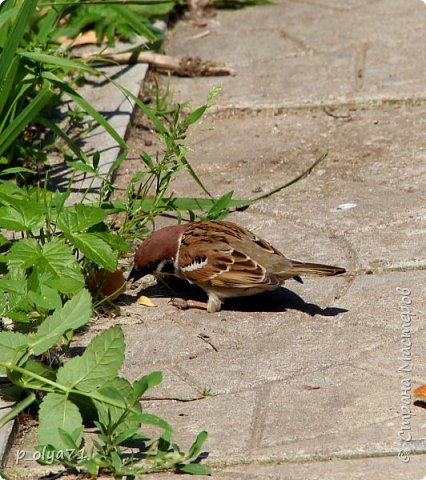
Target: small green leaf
x,y
81,167
114,241
58,259
55,413
146,382
151,419
100,362
195,449
194,116
75,313
194,469
120,390
220,207
8,171
91,466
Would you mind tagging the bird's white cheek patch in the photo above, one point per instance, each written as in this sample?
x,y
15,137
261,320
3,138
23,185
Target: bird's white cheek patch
x,y
195,265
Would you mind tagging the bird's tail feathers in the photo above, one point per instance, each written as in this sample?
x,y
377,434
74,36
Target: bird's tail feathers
x,y
300,268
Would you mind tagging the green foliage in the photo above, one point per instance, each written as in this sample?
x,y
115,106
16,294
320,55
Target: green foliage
x,y
114,21
88,389
56,246
36,73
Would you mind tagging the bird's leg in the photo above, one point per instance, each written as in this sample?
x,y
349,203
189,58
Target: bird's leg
x,y
213,304
183,304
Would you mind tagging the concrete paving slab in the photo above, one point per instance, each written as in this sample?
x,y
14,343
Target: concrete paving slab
x,y
114,106
308,53
359,469
323,385
376,162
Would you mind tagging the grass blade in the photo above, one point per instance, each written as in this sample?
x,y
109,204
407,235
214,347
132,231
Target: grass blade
x,y
11,132
21,23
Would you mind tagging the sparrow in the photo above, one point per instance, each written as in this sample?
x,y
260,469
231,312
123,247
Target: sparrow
x,y
222,258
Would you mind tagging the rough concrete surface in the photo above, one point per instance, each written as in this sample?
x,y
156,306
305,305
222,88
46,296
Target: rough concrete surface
x,y
310,381
307,382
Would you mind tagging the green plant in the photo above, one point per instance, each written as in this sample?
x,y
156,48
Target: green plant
x,y
52,250
36,73
84,390
114,20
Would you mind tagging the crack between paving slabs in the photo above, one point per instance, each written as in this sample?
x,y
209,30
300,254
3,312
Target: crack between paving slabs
x,y
289,108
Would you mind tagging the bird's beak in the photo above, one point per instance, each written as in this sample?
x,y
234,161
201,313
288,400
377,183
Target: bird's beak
x,y
135,274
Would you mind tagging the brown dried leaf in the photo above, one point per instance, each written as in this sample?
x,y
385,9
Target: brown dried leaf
x,y
146,301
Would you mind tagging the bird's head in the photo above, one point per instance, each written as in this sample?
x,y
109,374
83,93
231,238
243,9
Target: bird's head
x,y
157,253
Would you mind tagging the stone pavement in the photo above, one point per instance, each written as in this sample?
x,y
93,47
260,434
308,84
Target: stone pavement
x,y
311,381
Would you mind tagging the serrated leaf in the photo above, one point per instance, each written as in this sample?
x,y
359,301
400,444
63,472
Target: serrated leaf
x,y
23,254
12,346
13,286
46,298
115,241
80,217
56,412
39,369
95,249
100,362
23,216
58,259
75,313
55,258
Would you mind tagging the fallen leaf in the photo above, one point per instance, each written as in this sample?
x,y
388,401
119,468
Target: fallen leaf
x,y
420,393
146,301
87,38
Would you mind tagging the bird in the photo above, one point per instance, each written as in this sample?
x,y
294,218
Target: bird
x,y
224,259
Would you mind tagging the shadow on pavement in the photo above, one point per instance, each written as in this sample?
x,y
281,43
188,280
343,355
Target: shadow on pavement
x,y
279,300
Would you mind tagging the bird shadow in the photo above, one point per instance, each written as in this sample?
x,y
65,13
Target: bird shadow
x,y
278,300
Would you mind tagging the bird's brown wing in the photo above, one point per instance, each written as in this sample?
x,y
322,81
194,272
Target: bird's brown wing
x,y
213,254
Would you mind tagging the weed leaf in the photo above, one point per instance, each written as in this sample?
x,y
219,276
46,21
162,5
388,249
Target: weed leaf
x,y
75,313
146,382
22,216
100,362
11,346
95,249
194,469
80,217
195,449
56,413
